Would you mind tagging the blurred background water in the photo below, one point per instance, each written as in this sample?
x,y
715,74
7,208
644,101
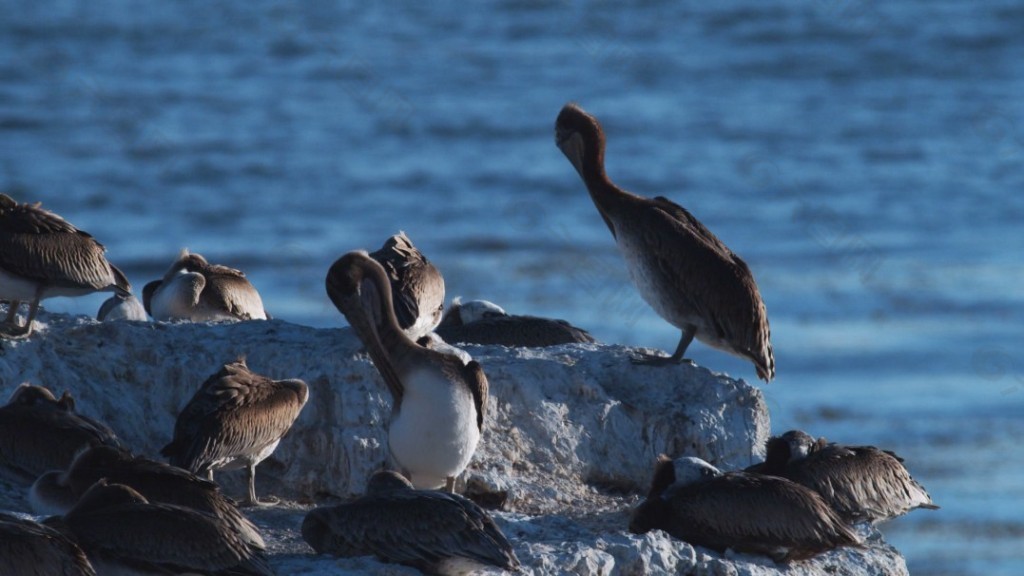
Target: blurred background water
x,y
864,157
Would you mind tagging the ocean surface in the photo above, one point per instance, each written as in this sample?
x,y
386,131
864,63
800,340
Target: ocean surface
x,y
866,158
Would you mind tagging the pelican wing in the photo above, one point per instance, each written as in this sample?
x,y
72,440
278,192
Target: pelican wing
x,y
522,331
35,439
410,526
756,513
860,482
235,294
237,412
474,376
416,285
166,484
164,536
713,282
40,245
28,548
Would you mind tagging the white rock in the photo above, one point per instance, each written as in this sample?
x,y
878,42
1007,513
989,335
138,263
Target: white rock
x,y
571,435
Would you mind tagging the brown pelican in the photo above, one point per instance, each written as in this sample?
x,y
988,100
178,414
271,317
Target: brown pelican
x,y
119,307
197,291
42,255
235,420
439,400
38,432
861,483
28,548
417,287
56,492
436,532
123,533
681,269
691,500
482,322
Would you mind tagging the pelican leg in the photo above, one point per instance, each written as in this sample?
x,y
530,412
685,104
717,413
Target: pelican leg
x,y
449,485
676,358
11,329
12,309
251,499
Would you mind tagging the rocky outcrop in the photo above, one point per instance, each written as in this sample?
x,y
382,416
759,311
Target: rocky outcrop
x,y
570,440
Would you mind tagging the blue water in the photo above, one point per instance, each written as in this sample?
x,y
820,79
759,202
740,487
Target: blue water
x,y
865,158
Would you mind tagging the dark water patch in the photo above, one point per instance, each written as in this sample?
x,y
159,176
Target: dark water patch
x,y
20,124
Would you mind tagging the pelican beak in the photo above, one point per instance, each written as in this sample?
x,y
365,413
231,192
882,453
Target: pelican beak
x,y
571,144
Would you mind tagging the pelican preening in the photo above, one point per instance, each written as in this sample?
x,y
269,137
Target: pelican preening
x,y
39,432
41,256
681,269
57,491
861,483
691,500
438,399
124,533
235,420
417,287
193,289
434,531
483,322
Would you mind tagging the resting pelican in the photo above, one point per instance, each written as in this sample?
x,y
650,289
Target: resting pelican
x,y
436,532
56,492
236,419
861,483
691,500
439,400
681,269
483,322
28,548
123,533
41,256
417,287
193,289
119,307
38,433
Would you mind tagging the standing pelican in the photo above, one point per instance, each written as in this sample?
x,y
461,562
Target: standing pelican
x,y
681,269
691,500
417,287
123,533
235,420
436,532
56,492
28,548
38,432
439,400
42,255
861,483
483,322
193,289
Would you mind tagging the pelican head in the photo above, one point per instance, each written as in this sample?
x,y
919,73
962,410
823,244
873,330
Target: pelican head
x,y
387,481
350,284
50,494
474,310
800,444
103,494
579,136
29,395
689,470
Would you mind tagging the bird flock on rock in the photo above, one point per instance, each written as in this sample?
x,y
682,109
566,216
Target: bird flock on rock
x,y
110,509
